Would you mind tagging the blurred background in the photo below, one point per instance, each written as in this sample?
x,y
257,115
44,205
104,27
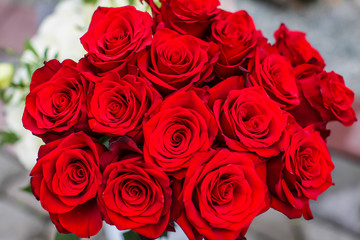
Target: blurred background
x,y
332,27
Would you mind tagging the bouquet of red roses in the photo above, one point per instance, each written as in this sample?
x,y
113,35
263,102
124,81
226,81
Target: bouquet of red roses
x,y
189,116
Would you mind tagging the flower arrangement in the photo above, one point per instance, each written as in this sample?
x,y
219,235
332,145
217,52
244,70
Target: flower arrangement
x,y
188,116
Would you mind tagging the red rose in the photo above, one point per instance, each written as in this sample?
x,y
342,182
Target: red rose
x,y
182,126
275,74
118,105
56,104
337,98
293,45
300,174
325,98
250,121
66,179
176,61
115,36
237,37
186,16
135,195
222,194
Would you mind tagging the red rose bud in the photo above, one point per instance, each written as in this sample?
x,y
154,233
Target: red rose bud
x,y
115,36
293,45
56,104
66,179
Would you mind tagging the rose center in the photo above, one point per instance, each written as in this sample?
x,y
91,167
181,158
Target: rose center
x,y
116,36
223,193
133,192
77,174
60,101
174,55
253,120
305,157
238,32
116,107
177,138
308,163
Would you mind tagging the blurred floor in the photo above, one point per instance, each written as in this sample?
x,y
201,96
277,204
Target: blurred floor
x,y
332,26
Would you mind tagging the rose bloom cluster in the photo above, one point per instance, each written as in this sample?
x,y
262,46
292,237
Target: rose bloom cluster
x,y
207,124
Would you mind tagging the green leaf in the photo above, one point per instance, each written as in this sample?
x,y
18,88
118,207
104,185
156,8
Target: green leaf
x,y
20,85
8,137
46,52
80,28
105,140
90,1
27,189
131,235
132,2
164,234
70,236
29,46
29,70
5,98
56,55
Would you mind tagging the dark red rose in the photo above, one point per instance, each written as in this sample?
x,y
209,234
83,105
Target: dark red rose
x,y
300,174
119,105
222,194
182,126
293,45
185,16
115,36
237,37
275,74
135,194
177,61
250,121
325,98
56,104
66,179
